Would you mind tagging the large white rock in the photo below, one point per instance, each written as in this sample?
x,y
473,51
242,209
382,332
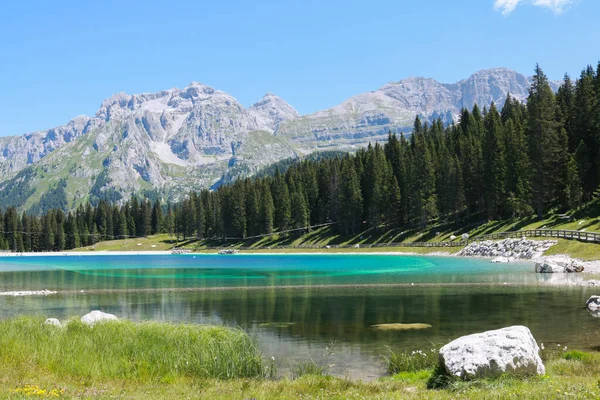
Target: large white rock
x,y
511,350
97,316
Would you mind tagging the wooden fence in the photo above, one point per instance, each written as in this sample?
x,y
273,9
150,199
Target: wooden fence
x,y
593,237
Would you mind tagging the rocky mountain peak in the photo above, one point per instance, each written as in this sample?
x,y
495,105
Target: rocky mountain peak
x,y
271,110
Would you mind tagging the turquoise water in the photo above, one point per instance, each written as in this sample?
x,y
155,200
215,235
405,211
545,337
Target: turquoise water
x,y
187,271
282,302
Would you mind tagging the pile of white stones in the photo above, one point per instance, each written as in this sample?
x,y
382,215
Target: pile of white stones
x,y
507,249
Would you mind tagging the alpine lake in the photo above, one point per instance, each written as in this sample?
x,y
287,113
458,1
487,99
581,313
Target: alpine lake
x,y
313,306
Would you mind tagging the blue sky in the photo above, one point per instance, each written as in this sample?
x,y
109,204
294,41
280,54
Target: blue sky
x,y
59,59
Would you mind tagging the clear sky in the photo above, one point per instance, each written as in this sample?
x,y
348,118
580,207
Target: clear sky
x,y
59,59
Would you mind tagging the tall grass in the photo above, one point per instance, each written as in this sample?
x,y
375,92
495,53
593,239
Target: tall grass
x,y
411,362
127,350
308,367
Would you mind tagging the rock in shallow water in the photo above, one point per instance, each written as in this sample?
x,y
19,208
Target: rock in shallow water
x,y
593,306
400,327
97,316
511,350
549,267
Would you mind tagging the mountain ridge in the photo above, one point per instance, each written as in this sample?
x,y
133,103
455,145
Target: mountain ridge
x,y
176,140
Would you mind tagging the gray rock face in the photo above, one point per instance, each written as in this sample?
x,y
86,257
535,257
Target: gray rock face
x,y
96,316
393,107
511,350
16,152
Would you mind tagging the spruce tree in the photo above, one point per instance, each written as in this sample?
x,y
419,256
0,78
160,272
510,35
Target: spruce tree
x,y
350,200
281,201
543,140
494,167
266,209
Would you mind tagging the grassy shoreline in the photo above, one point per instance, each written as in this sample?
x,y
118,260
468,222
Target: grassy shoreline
x,y
317,240
159,360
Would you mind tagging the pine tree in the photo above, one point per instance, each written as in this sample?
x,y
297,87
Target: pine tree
x,y
48,232
424,206
518,171
3,245
156,218
543,140
72,233
351,202
583,131
494,167
266,210
252,208
299,210
281,201
169,222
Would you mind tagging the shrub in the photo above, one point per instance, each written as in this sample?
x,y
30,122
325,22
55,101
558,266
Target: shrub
x,y
577,355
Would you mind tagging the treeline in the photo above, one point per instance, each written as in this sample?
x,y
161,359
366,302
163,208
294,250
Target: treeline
x,y
492,164
57,230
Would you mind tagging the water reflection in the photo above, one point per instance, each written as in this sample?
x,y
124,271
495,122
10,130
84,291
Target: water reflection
x,y
300,323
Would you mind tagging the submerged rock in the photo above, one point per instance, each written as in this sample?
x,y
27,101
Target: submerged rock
x,y
400,327
593,306
97,316
53,322
511,350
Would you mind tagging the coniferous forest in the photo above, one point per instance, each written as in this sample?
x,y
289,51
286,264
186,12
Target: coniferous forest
x,y
521,160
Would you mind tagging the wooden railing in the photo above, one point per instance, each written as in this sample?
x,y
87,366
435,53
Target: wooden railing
x,y
593,237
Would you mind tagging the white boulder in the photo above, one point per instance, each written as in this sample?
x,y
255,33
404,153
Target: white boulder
x,y
465,236
97,316
593,306
511,350
452,237
53,322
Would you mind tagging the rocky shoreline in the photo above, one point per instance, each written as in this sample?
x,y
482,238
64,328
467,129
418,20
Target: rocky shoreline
x,y
508,249
511,250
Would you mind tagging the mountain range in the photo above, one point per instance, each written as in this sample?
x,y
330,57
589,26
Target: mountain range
x,y
176,140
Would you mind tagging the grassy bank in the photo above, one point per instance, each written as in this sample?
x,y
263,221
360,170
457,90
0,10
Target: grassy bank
x,y
141,352
157,360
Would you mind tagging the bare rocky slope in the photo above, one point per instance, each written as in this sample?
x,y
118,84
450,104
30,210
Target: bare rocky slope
x,y
180,139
